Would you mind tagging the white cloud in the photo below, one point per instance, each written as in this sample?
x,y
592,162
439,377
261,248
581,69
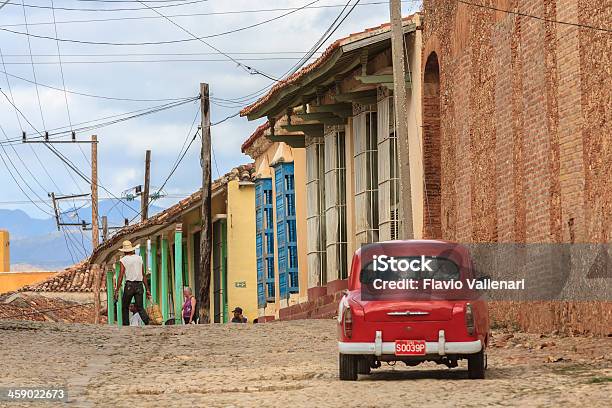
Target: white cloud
x,y
122,146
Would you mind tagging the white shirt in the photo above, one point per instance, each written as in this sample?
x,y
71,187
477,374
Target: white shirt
x,y
136,320
133,267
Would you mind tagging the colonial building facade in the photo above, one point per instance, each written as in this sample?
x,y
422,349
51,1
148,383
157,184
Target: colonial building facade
x,y
338,113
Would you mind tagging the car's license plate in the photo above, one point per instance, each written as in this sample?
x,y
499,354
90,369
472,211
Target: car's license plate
x,y
409,347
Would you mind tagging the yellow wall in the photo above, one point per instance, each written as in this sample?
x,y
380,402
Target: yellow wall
x,y
5,259
14,280
241,255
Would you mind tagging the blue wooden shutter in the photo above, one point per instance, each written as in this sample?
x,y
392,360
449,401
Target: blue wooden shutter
x,y
286,229
264,241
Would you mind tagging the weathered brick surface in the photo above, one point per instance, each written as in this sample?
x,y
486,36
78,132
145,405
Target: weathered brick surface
x,y
525,126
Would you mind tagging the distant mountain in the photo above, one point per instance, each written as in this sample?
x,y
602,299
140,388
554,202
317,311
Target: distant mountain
x,y
38,243
21,225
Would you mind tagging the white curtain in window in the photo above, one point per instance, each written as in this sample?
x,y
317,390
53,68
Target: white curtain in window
x,y
314,215
388,181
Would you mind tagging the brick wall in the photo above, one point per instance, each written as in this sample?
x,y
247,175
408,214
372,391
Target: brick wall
x,y
525,124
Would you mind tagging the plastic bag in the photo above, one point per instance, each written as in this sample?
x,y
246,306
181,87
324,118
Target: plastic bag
x,y
155,315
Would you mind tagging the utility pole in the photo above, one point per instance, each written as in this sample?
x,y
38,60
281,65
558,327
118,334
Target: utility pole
x,y
401,116
55,211
104,228
95,235
144,199
206,232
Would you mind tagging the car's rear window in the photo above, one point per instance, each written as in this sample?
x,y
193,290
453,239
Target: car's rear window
x,y
440,269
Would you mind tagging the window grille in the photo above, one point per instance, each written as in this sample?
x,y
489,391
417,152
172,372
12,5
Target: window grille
x,y
365,131
388,172
315,212
335,205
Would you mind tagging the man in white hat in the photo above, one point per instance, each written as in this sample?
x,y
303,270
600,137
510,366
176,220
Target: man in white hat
x,y
135,284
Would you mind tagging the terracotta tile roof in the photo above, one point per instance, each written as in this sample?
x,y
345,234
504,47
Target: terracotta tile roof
x,y
77,278
291,79
256,135
39,308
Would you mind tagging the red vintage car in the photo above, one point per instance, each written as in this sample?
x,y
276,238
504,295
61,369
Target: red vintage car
x,y
421,308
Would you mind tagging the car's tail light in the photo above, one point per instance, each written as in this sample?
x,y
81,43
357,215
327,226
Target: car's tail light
x,y
469,319
347,324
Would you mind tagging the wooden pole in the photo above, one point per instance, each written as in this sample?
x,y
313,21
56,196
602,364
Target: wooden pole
x,y
95,235
144,202
104,228
95,269
206,232
401,117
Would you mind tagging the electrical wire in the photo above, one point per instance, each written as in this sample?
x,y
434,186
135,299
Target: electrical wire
x,y
147,61
59,56
186,3
63,158
249,69
326,35
212,13
25,18
8,82
195,37
112,98
121,118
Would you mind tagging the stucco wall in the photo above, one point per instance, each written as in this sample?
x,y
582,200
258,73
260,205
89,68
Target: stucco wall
x,y
5,250
14,280
241,256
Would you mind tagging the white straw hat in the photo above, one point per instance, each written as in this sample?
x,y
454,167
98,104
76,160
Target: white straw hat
x,y
127,247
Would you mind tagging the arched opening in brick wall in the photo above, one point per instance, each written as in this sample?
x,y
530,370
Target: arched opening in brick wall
x,y
432,214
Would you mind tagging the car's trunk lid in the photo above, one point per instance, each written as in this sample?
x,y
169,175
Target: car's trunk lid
x,y
408,311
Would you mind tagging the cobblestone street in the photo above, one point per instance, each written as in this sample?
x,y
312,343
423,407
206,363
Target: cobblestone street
x,y
286,364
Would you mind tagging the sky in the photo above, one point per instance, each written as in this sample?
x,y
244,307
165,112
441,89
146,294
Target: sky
x,y
156,73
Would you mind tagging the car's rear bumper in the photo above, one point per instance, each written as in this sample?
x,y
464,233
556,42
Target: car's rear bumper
x,y
441,347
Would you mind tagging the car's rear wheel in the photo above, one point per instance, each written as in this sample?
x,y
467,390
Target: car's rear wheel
x,y
348,367
363,366
477,364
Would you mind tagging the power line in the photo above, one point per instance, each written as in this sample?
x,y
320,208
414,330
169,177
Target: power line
x,y
249,69
195,37
63,158
186,3
112,98
8,82
25,18
212,13
548,20
326,35
148,54
140,61
132,115
59,56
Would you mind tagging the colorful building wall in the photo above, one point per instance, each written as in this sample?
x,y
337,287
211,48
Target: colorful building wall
x,y
241,259
10,281
5,251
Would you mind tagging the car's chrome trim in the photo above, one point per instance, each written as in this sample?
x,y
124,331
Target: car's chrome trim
x,y
440,347
407,313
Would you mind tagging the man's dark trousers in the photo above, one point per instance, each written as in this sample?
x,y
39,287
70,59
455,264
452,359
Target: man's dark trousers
x,y
133,289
